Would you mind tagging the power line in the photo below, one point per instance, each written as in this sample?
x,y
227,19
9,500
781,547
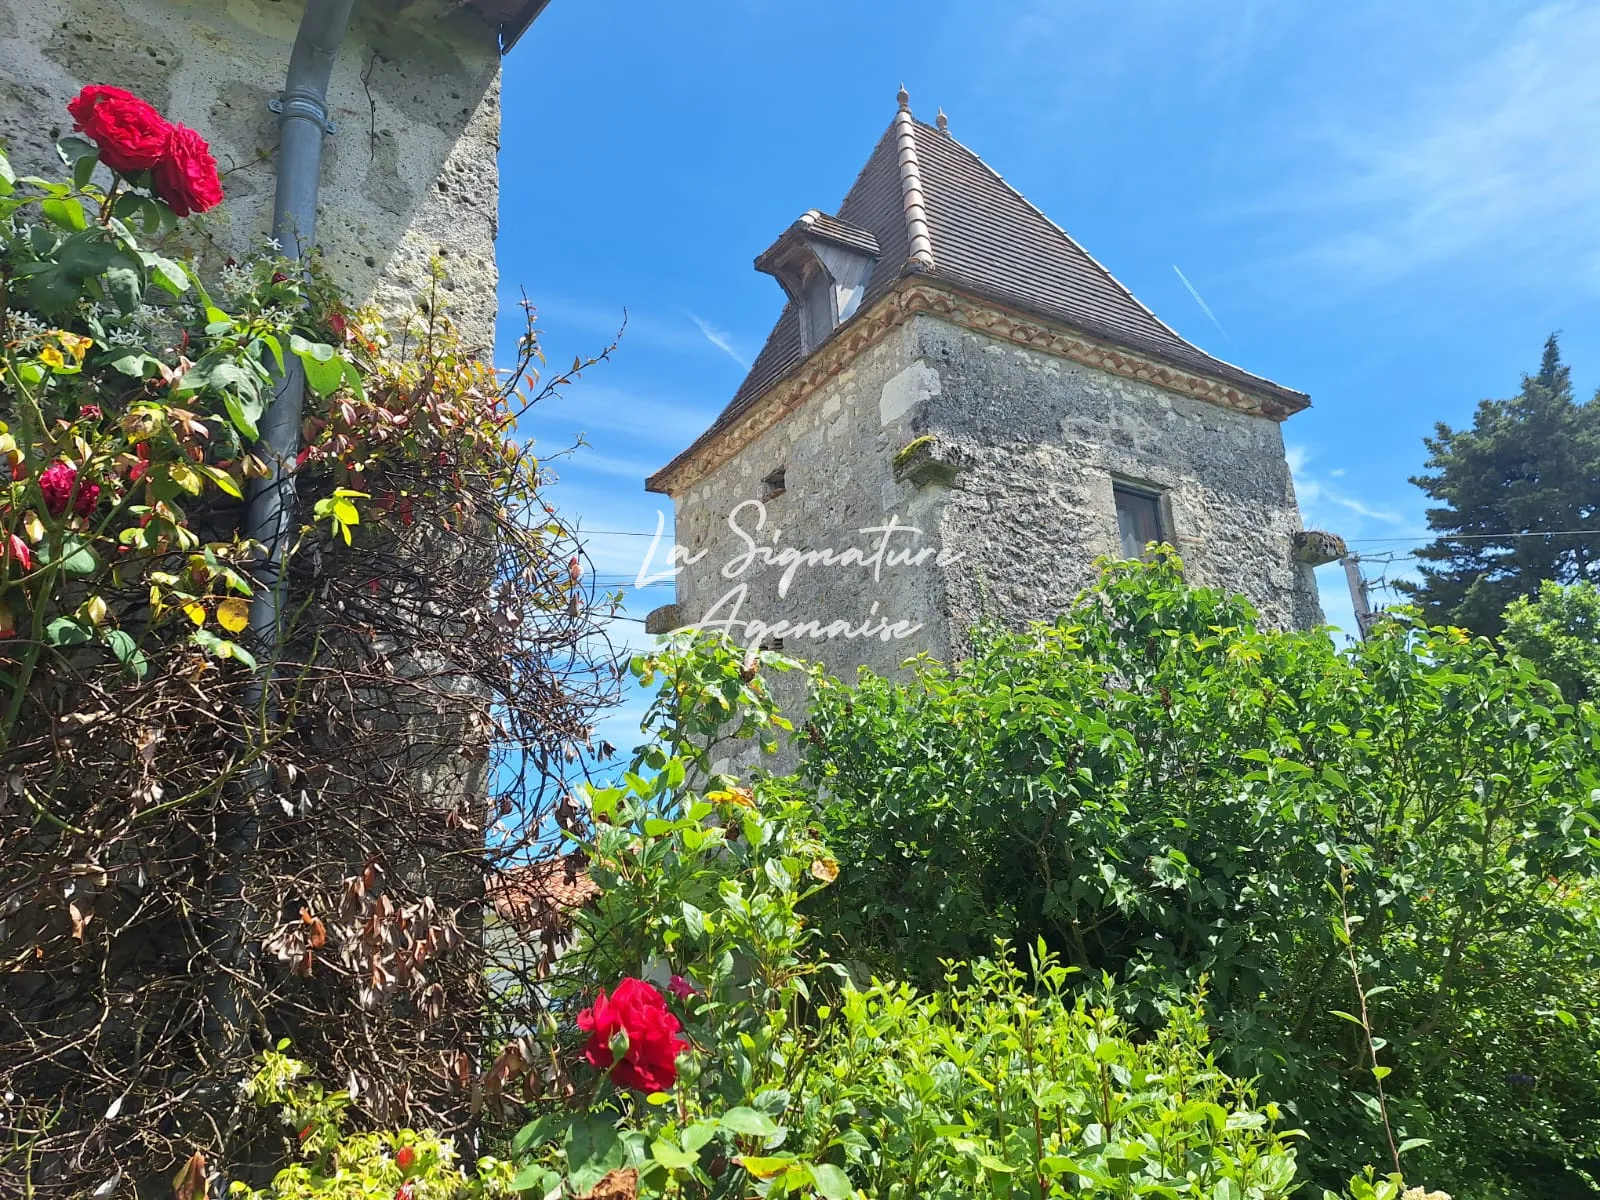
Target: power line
x,y
1476,537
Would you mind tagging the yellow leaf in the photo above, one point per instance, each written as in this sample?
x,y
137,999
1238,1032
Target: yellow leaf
x,y
51,357
825,869
33,527
233,614
95,609
186,477
346,512
195,611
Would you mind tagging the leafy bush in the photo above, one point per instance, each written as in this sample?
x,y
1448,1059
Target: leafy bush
x,y
1559,631
789,1080
797,1082
1158,789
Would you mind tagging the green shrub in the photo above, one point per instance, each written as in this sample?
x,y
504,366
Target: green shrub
x,y
1559,632
1158,789
789,1080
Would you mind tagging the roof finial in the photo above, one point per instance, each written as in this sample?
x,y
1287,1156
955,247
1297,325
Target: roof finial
x,y
904,97
943,122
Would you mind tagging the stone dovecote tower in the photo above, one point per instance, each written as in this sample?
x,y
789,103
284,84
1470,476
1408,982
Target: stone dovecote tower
x,y
957,412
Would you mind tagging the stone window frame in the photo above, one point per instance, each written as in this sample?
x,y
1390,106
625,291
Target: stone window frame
x,y
774,483
1144,489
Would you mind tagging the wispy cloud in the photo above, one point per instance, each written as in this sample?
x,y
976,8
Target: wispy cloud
x,y
1204,307
721,340
1484,157
1314,492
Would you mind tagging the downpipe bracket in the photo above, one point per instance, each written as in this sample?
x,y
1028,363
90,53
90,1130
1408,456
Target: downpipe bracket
x,y
305,111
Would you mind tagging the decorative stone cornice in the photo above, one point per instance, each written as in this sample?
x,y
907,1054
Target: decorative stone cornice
x,y
923,294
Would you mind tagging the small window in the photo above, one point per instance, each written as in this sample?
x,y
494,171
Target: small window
x,y
772,485
1138,520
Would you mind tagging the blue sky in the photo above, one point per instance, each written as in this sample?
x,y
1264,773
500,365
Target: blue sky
x,y
1388,206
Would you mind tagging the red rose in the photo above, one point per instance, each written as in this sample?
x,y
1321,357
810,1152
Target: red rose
x,y
90,412
681,987
186,177
58,482
131,135
405,1157
639,1013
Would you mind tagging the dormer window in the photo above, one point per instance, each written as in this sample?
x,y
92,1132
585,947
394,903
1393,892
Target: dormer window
x,y
823,264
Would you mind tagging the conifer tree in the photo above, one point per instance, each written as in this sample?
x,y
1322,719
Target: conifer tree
x,y
1519,501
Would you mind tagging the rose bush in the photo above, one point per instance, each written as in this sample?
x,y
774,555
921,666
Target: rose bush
x,y
209,832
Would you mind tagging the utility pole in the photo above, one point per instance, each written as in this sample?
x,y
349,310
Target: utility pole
x,y
1358,593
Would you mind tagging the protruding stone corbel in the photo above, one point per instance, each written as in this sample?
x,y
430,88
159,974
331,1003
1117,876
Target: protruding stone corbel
x,y
664,619
926,460
1314,547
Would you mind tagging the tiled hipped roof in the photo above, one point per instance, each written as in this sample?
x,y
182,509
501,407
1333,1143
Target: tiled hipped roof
x,y
983,239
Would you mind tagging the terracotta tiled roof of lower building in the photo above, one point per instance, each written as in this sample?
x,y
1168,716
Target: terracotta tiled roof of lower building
x,y
528,896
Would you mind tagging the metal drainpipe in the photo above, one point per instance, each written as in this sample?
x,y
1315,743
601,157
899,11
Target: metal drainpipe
x,y
269,513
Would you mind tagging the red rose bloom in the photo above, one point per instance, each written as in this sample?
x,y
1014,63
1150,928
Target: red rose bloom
x,y
90,412
131,135
405,1157
640,1012
57,482
186,177
681,987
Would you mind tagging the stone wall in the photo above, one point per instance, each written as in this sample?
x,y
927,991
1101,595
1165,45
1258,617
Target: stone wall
x,y
1003,456
409,174
1035,443
836,452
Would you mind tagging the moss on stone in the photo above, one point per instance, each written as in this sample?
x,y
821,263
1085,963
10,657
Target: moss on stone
x,y
911,449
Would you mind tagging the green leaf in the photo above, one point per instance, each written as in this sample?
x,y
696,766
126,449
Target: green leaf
x,y
83,169
52,290
63,212
127,652
306,348
64,631
221,478
671,1157
324,369
165,273
73,149
78,558
125,287
243,413
831,1181
8,177
537,1133
1344,1016
1414,1143
593,1151
748,1122
324,378
136,363
539,1180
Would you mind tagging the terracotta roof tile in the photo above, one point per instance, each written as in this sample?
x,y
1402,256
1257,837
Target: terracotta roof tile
x,y
527,896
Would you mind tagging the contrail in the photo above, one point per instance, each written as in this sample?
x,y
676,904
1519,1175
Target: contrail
x,y
720,340
1204,307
